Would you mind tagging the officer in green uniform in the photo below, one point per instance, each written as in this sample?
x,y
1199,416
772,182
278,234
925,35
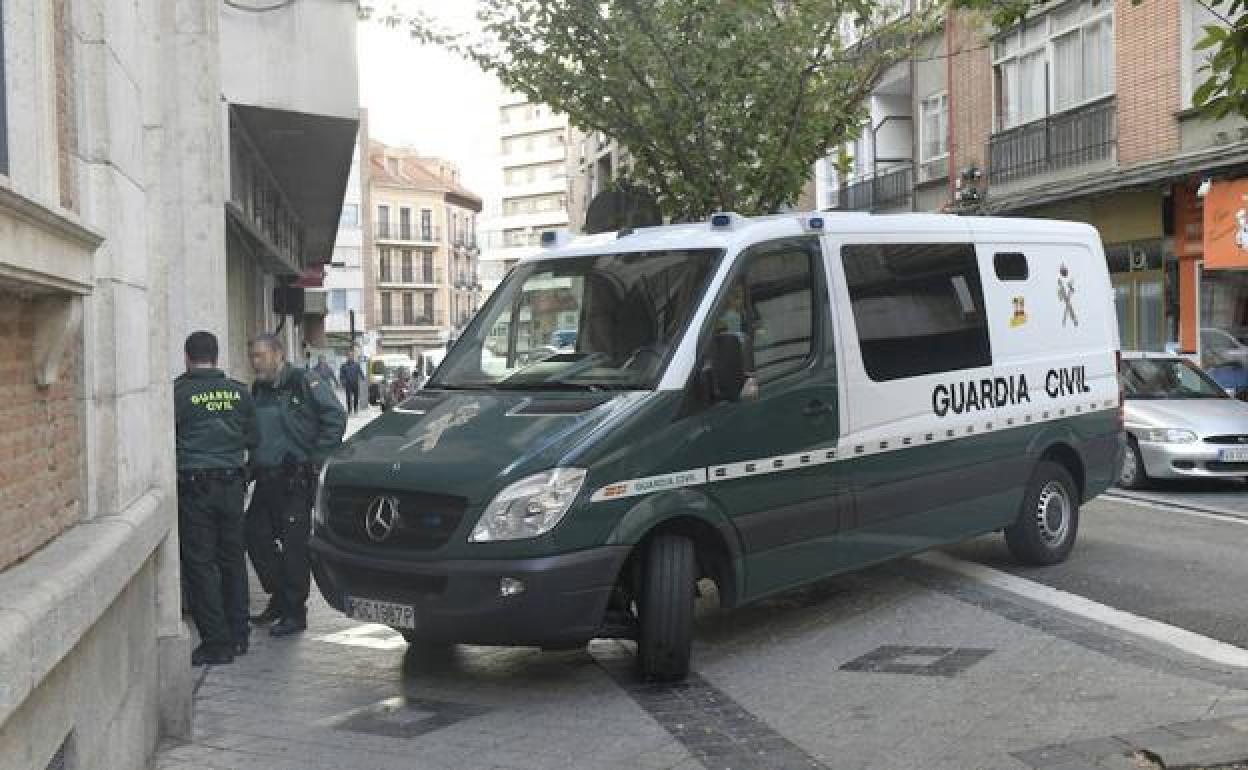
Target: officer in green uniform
x,y
301,423
216,425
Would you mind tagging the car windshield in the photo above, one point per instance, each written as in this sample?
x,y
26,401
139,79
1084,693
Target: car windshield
x,y
603,322
1167,378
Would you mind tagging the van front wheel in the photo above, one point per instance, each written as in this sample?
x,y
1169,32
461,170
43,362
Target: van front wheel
x,y
665,609
1048,521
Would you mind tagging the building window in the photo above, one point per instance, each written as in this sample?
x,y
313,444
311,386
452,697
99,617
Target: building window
x,y
385,266
1054,62
409,314
405,223
918,307
428,307
426,267
426,224
387,308
354,299
383,221
350,218
934,127
337,301
408,275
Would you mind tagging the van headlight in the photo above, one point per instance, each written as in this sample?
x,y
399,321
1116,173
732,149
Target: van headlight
x,y
529,507
320,515
1169,435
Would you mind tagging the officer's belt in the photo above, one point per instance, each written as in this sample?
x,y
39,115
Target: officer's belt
x,y
196,475
270,472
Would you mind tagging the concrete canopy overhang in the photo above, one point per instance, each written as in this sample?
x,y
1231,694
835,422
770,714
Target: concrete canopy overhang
x,y
1218,161
310,157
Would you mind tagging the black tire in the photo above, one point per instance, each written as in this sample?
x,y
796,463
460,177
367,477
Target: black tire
x,y
665,610
1132,474
1048,521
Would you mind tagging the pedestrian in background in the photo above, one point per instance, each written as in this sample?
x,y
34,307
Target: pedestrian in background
x,y
326,371
300,423
215,422
351,375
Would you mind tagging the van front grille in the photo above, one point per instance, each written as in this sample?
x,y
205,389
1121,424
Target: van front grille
x,y
423,522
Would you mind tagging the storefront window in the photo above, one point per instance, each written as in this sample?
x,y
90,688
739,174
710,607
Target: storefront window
x,y
1223,312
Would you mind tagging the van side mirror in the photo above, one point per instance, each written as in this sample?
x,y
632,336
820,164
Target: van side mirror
x,y
729,378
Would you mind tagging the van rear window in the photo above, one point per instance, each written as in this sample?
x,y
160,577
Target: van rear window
x,y
919,308
1010,265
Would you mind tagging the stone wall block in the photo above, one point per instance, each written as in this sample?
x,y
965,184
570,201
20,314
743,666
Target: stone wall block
x,y
125,129
135,448
15,654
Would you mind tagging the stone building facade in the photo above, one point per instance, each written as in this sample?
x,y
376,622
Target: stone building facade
x,y
114,133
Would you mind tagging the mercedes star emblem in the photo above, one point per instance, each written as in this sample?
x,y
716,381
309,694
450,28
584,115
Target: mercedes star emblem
x,y
381,518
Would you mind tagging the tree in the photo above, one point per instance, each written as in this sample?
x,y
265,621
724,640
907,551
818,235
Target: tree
x,y
722,104
1224,90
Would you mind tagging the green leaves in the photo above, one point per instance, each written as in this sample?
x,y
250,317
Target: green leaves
x,y
723,104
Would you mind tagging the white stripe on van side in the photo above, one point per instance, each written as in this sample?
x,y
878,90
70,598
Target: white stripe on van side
x,y
848,449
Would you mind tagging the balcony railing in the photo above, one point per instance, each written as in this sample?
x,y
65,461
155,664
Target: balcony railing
x,y
414,277
886,190
1074,138
389,231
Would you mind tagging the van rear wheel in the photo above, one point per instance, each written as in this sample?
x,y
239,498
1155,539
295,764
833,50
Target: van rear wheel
x,y
1048,521
665,610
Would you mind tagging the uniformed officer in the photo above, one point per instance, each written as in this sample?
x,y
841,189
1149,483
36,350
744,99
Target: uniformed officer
x,y
300,424
216,425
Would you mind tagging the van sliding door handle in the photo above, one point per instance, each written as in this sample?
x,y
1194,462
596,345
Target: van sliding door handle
x,y
816,408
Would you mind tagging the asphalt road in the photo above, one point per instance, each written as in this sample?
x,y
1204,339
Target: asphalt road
x,y
1180,568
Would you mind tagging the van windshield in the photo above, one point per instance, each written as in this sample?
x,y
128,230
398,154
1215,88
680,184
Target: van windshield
x,y
605,322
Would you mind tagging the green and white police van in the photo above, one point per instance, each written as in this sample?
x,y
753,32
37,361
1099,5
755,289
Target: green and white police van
x,y
758,402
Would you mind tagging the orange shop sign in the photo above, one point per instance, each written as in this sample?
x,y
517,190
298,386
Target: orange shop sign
x,y
1226,225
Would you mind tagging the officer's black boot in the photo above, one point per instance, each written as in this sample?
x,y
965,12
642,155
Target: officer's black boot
x,y
206,655
270,614
288,626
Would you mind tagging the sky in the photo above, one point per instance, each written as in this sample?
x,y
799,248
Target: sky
x,y
422,96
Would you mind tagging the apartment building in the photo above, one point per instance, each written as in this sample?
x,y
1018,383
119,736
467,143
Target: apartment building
x,y
425,251
1083,112
162,167
533,198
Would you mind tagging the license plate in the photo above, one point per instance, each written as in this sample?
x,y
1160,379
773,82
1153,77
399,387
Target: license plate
x,y
1233,455
385,613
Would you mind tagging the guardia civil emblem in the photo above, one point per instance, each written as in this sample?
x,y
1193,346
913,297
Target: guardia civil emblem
x,y
1066,295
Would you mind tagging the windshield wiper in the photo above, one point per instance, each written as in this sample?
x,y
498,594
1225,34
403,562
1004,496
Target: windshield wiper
x,y
548,386
460,386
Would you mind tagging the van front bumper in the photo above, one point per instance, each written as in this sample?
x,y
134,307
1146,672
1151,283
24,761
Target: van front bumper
x,y
562,605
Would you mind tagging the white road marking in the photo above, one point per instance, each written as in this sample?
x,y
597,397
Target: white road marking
x,y
1163,633
371,635
1217,514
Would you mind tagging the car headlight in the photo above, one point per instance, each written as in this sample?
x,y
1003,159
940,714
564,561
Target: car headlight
x,y
1169,435
529,507
320,515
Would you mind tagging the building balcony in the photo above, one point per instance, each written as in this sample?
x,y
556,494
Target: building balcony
x,y
409,324
390,232
402,279
890,189
1077,137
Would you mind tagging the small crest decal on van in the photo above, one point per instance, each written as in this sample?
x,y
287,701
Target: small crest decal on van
x,y
1020,313
1066,294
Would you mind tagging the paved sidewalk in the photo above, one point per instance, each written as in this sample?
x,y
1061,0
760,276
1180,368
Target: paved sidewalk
x,y
897,667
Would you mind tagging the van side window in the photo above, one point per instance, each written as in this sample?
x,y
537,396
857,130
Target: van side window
x,y
1010,265
919,308
771,304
